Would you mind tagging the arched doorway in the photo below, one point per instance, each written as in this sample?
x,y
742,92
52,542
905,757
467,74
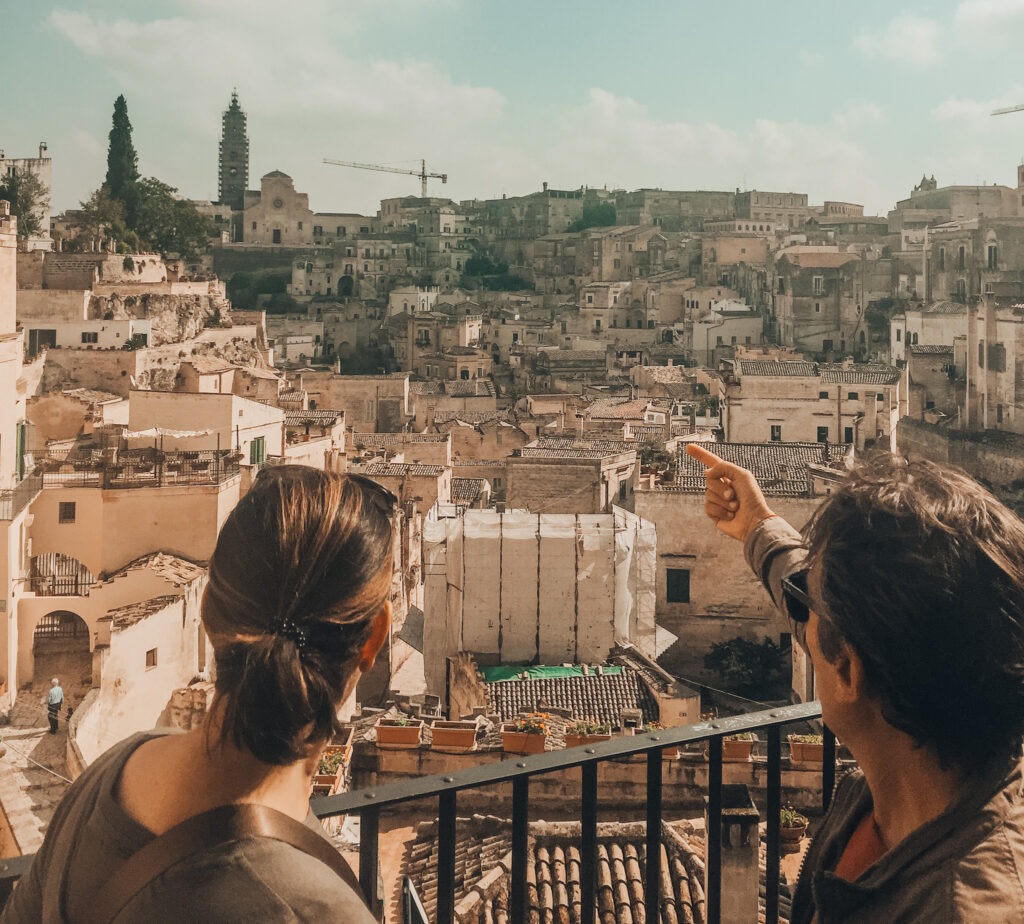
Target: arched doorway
x,y
60,648
345,284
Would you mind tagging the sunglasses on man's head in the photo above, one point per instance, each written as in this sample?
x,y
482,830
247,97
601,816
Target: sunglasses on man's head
x,y
798,599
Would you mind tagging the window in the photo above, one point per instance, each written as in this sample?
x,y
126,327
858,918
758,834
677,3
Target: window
x,y
318,230
818,284
993,257
300,225
899,335
981,354
853,396
677,585
997,357
746,341
254,226
822,434
732,340
942,259
66,512
848,435
826,346
822,394
150,658
257,451
817,307
961,257
590,299
999,413
776,433
90,336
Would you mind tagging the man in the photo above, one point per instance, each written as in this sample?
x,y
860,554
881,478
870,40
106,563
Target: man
x,y
907,591
54,702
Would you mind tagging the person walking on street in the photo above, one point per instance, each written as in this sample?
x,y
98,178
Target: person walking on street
x,y
54,704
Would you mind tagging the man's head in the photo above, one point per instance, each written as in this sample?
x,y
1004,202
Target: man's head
x,y
54,682
920,571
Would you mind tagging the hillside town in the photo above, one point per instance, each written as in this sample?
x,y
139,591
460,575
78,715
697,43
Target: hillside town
x,y
524,375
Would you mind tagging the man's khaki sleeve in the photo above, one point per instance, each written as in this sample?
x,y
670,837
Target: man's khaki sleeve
x,y
774,549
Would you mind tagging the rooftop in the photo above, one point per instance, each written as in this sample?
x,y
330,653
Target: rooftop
x,y
859,374
320,417
774,367
466,491
401,469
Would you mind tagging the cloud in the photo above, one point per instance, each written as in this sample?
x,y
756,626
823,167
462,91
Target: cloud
x,y
908,39
975,115
613,139
989,15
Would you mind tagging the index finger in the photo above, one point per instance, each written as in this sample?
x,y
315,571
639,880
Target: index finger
x,y
702,455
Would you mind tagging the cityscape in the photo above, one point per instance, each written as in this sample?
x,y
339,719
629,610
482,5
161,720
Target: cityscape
x,y
524,371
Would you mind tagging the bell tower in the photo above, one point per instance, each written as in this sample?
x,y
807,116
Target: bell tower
x,y
234,155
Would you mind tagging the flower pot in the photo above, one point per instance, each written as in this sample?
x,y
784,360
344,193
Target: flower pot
x,y
393,735
792,835
521,742
328,782
804,753
734,749
453,736
578,741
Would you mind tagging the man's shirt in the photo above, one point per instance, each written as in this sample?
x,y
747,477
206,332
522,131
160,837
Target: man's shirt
x,y
55,697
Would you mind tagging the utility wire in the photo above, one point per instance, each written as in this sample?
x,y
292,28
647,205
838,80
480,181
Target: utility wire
x,y
22,754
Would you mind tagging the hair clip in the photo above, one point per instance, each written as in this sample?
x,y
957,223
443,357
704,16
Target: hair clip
x,y
287,628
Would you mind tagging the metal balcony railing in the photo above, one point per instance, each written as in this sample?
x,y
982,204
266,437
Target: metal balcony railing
x,y
18,498
368,805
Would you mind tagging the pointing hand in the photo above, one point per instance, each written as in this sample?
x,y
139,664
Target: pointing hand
x,y
733,499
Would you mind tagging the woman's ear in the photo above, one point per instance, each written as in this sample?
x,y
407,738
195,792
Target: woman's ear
x,y
380,628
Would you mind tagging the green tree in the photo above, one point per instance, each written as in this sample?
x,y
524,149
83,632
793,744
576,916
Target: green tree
x,y
594,216
27,194
103,217
122,161
167,223
750,668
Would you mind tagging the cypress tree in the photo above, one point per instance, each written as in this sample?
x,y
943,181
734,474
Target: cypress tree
x,y
122,161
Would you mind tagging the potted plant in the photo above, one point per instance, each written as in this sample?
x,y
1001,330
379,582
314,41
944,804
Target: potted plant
x,y
399,732
666,753
526,734
806,749
738,746
792,825
331,767
587,731
453,736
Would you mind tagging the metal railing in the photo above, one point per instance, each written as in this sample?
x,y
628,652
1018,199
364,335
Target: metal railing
x,y
12,502
368,805
140,469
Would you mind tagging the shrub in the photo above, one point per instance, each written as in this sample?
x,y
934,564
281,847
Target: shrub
x,y
757,669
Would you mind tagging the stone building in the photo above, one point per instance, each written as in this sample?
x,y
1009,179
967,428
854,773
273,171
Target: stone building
x,y
277,214
937,324
984,256
42,167
705,591
796,401
515,588
560,479
995,367
787,210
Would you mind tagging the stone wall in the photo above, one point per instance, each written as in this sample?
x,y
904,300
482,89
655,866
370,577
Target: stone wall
x,y
684,786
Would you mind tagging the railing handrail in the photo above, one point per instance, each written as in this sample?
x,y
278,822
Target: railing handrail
x,y
507,770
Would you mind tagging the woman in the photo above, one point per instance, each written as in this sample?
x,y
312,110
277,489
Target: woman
x,y
296,608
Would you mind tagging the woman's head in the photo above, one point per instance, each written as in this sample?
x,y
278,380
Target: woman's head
x,y
299,583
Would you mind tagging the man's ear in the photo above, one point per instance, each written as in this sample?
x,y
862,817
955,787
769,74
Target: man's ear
x,y
379,631
851,684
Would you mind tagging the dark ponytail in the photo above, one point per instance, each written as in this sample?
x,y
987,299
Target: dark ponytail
x,y
302,566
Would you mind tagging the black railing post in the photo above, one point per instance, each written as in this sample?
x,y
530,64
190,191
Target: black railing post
x,y
713,893
774,807
446,857
652,875
369,830
588,845
828,767
520,834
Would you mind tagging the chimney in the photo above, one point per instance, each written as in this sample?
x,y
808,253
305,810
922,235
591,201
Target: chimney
x,y
740,878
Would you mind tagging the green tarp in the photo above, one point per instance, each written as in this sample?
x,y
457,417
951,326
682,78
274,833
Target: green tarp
x,y
516,671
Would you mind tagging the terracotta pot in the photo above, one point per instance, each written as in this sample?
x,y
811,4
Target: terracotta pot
x,y
453,736
792,835
391,734
736,749
578,741
802,752
521,742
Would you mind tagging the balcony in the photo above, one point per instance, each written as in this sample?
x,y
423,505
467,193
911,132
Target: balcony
x,y
138,468
368,805
12,502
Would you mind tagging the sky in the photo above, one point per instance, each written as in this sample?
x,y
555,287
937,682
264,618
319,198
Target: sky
x,y
841,101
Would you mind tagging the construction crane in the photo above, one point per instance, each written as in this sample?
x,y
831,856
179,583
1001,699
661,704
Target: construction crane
x,y
1007,110
421,173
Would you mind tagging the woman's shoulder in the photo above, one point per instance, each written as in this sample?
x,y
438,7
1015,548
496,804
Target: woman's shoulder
x,y
253,879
